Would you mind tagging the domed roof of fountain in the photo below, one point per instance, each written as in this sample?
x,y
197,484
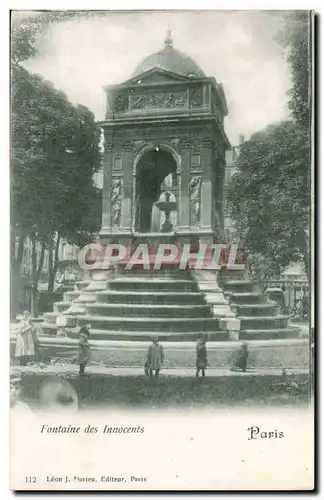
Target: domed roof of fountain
x,y
170,59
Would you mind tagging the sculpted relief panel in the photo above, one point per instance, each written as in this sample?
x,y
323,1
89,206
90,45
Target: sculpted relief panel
x,y
121,103
165,100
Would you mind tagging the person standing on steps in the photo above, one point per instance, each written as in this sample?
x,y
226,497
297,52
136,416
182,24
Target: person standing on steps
x,y
155,357
83,354
201,356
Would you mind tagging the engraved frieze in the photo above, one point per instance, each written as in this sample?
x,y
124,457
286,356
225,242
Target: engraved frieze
x,y
206,142
195,144
120,145
185,143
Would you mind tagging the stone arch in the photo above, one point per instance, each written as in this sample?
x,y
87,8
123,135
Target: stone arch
x,y
152,166
151,147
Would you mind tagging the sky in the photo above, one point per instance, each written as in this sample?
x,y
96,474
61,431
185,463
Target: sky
x,y
238,48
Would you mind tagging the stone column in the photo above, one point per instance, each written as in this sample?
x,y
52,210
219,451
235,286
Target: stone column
x,y
184,209
206,96
206,188
127,201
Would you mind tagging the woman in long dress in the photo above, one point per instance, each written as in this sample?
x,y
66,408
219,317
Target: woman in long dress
x,y
25,345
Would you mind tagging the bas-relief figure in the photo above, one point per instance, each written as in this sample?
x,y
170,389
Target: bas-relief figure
x,y
121,103
195,199
116,202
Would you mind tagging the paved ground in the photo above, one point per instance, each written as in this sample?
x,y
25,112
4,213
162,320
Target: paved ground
x,y
133,371
303,326
129,388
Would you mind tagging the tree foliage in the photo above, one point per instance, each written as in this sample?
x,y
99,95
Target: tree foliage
x,y
269,196
54,155
24,30
298,41
55,152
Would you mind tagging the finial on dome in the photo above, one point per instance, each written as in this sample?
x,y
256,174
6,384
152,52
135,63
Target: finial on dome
x,y
168,42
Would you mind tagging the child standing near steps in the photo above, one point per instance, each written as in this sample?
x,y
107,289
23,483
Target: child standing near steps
x,y
83,354
201,356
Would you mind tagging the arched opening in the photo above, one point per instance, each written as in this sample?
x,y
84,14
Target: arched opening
x,y
156,172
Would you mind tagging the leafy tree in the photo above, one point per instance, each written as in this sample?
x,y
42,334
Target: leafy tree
x,y
269,196
55,152
297,38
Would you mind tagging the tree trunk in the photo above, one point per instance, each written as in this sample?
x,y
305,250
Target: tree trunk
x,y
304,248
20,251
37,269
53,268
50,266
15,281
306,264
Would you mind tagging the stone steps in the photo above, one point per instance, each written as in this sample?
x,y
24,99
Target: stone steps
x,y
70,296
50,317
245,298
85,297
152,285
259,317
270,334
153,297
263,322
61,306
256,310
50,331
240,286
140,336
81,284
149,324
150,310
175,305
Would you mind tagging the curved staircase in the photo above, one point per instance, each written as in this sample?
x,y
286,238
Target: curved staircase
x,y
260,318
125,309
137,306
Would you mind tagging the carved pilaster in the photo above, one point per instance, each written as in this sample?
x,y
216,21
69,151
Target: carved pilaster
x,y
116,202
196,97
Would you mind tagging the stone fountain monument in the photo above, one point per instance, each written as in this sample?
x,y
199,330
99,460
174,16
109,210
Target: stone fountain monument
x,y
164,148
